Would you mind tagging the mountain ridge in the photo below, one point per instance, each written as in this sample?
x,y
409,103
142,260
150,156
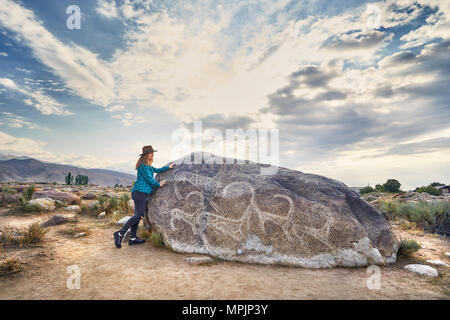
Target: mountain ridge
x,y
25,169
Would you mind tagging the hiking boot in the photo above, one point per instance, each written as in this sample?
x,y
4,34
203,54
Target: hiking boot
x,y
118,239
134,241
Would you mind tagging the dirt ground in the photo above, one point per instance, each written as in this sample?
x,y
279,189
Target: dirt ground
x,y
146,272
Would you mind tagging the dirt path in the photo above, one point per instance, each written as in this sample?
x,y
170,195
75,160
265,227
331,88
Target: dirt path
x,y
145,272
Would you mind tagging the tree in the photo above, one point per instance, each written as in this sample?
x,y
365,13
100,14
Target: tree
x,y
81,179
391,185
430,190
436,184
69,178
367,189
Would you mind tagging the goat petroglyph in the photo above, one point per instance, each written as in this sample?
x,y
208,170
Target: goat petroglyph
x,y
232,212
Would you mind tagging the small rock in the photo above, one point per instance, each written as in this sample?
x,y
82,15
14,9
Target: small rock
x,y
72,208
438,263
123,220
101,215
45,204
447,254
90,196
59,219
199,260
422,269
79,235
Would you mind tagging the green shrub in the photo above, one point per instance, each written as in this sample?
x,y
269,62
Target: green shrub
x,y
156,239
408,247
389,208
31,207
113,204
391,185
102,201
123,203
366,190
9,190
430,190
28,192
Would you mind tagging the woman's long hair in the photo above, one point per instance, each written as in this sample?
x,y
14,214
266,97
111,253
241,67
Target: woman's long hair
x,y
146,159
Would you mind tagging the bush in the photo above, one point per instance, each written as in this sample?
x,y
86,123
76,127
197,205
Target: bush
x,y
9,190
102,202
391,185
430,190
123,203
10,265
408,247
366,190
112,205
30,207
430,215
156,239
33,234
28,192
389,208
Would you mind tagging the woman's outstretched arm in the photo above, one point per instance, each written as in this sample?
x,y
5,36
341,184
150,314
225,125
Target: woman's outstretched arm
x,y
148,176
159,170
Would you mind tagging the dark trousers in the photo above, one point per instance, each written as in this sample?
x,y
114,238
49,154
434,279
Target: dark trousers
x,y
140,205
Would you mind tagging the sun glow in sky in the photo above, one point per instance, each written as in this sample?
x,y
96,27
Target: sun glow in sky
x,y
355,96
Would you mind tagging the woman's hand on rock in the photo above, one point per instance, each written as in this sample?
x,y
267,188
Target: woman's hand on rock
x,y
172,165
162,183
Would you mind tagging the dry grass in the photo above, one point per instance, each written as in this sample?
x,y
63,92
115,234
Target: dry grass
x,y
33,234
408,247
9,265
73,230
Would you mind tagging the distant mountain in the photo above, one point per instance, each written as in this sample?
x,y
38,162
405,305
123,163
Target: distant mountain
x,y
9,157
24,169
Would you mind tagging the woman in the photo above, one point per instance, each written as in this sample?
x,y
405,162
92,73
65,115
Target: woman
x,y
143,187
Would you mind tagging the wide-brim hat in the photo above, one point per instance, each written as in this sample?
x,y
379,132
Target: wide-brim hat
x,y
147,149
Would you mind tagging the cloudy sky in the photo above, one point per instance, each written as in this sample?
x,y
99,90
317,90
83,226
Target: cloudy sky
x,y
359,91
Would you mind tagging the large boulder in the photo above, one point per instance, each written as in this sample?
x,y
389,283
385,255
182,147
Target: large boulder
x,y
44,204
59,219
65,197
234,212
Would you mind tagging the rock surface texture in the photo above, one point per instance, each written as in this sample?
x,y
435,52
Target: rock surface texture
x,y
65,197
233,212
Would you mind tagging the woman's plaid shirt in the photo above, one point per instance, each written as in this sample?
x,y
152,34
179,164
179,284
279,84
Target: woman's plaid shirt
x,y
145,181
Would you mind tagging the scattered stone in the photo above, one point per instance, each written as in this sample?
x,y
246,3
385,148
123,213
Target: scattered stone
x,y
422,269
199,260
370,198
73,208
111,195
45,204
79,235
123,220
90,196
101,215
447,254
64,197
273,215
438,263
59,219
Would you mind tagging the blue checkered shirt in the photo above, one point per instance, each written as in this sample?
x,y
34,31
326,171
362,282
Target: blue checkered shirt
x,y
145,181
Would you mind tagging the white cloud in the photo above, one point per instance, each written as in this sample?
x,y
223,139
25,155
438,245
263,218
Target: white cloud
x,y
3,54
16,121
107,8
81,69
36,98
